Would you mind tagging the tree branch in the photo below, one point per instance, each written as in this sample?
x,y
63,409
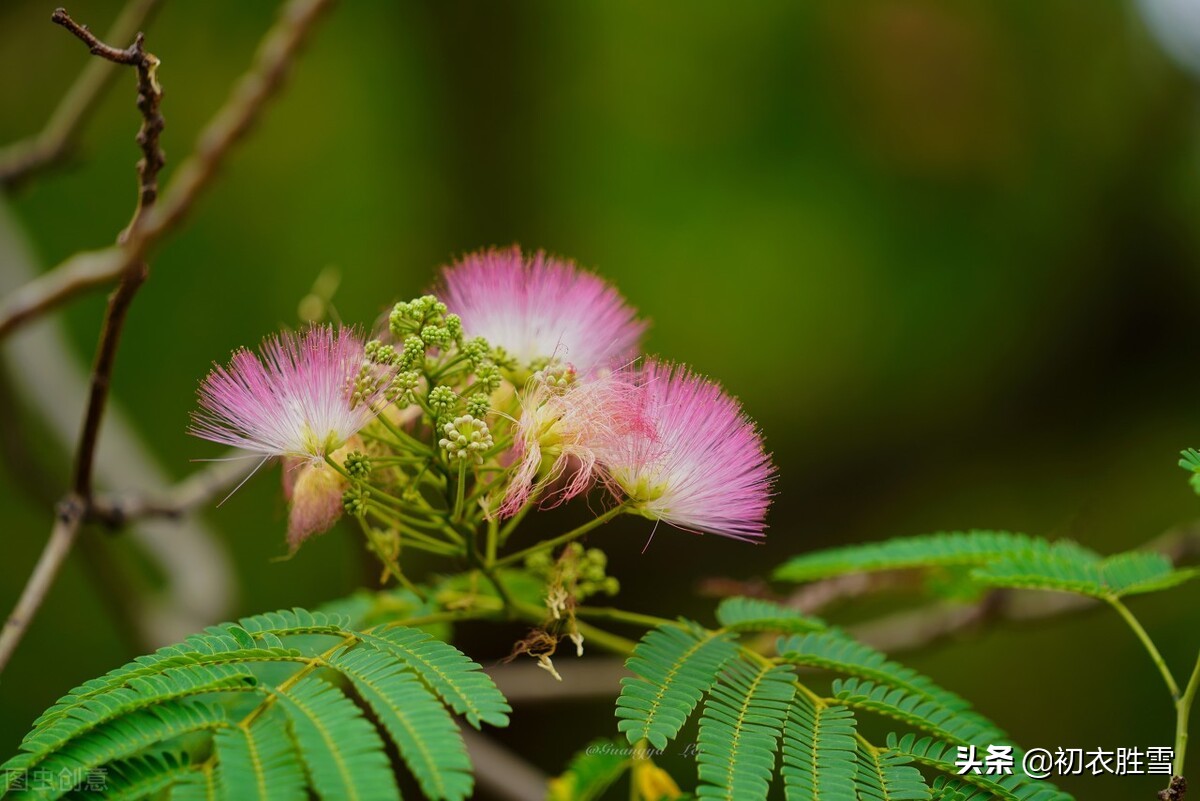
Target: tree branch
x,y
85,271
73,509
54,144
118,509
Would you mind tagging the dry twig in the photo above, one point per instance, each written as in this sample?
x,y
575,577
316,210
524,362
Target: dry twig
x,y
57,140
126,264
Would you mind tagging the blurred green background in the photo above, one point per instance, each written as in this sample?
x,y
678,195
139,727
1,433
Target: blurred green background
x,y
945,252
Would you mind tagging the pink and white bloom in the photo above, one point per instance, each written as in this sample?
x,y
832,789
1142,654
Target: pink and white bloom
x,y
539,307
704,469
296,398
563,420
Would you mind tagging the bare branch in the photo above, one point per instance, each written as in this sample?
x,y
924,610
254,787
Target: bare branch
x,y
62,537
134,274
54,144
73,509
120,509
85,271
127,263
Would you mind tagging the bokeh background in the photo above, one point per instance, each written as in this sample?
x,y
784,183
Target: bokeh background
x,y
946,253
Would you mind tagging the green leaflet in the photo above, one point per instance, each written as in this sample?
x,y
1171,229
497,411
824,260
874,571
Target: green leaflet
x,y
674,667
139,693
343,752
835,650
129,735
429,741
136,778
888,776
458,680
956,548
819,762
740,728
209,696
1061,569
259,762
755,614
952,725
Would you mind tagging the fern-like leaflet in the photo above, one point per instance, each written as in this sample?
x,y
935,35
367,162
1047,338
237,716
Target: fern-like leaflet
x,y
760,721
209,718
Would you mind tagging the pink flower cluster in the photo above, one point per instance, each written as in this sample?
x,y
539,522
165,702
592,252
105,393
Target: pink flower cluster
x,y
671,444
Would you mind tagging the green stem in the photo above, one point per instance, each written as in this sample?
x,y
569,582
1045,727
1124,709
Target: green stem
x,y
391,564
460,490
622,616
493,534
1148,643
563,539
405,439
436,617
1183,708
410,537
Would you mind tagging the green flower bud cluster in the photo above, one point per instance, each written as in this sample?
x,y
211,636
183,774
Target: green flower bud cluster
x,y
379,353
354,501
436,335
477,352
582,571
487,378
466,438
442,400
479,404
415,314
366,385
413,355
404,386
358,464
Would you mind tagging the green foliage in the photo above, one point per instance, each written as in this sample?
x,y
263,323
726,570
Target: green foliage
x,y
139,777
952,725
756,708
1191,463
448,672
885,775
940,756
819,762
740,728
834,650
1000,559
674,667
945,549
755,614
270,707
259,762
1063,569
342,751
591,771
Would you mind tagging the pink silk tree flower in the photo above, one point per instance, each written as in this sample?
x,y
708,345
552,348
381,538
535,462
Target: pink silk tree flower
x,y
315,503
704,470
303,396
563,417
539,308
